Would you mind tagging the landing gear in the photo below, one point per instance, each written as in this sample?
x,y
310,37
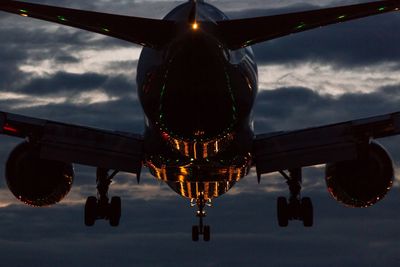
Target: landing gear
x,y
201,229
90,211
97,208
296,208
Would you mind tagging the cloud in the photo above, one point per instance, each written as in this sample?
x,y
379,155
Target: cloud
x,y
294,107
246,224
324,78
62,81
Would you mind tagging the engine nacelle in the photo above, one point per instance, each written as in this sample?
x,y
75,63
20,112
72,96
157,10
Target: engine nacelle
x,y
363,182
35,181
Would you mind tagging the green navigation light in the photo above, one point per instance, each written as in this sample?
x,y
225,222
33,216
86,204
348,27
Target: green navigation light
x,y
301,26
62,18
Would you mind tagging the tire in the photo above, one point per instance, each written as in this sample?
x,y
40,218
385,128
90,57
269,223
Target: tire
x,y
307,213
90,211
195,233
282,212
115,211
207,233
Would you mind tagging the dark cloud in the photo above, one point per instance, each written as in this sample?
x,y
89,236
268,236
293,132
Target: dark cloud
x,y
344,237
65,58
124,114
63,81
9,60
288,108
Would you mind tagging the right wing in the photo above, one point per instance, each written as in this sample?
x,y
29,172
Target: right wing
x,y
77,144
240,33
146,32
319,145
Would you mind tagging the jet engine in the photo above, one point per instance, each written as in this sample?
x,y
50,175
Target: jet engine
x,y
35,181
363,182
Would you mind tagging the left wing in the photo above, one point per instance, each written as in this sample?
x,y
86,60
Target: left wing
x,y
244,32
77,144
143,31
325,144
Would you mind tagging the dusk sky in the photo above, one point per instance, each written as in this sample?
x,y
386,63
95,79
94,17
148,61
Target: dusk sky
x,y
337,73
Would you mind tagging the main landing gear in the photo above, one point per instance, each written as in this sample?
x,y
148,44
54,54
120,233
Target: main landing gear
x,y
201,229
296,208
99,207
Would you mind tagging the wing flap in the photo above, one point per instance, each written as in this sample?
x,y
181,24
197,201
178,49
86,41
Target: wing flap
x,y
147,32
319,145
244,32
78,144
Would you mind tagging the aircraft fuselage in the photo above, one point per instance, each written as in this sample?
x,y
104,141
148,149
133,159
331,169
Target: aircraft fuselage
x,y
197,97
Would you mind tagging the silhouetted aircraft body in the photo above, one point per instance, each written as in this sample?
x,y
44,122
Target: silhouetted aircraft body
x,y
197,82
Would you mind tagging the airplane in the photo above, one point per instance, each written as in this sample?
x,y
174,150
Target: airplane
x,y
197,84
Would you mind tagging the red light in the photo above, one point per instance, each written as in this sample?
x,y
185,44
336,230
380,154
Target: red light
x,y
165,136
9,128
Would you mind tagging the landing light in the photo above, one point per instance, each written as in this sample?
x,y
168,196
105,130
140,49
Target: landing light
x,y
195,26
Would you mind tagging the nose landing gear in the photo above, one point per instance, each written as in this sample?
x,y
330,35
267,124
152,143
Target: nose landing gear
x,y
296,208
97,208
201,229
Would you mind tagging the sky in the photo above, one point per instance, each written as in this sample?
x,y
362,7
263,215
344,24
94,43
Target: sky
x,y
336,73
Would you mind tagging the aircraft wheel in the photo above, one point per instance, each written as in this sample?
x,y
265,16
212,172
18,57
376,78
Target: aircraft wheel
x,y
90,211
283,212
115,211
195,233
207,233
307,212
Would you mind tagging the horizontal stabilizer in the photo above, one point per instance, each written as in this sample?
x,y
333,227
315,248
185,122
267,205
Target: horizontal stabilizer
x,y
244,32
146,32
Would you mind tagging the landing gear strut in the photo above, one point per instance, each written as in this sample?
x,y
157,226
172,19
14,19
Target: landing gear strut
x,y
201,229
99,207
296,208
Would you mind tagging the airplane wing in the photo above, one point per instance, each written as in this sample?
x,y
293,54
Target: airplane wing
x,y
146,32
319,145
77,144
244,32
